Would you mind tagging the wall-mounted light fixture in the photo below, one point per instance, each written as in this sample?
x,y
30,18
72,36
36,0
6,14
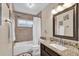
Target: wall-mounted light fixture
x,y
66,5
61,6
58,8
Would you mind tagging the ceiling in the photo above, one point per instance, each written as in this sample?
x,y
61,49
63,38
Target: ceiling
x,y
22,7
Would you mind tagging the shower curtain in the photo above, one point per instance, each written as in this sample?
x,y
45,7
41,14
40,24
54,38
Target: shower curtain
x,y
36,36
36,30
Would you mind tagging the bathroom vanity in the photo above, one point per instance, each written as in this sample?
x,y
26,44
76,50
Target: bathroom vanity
x,y
49,50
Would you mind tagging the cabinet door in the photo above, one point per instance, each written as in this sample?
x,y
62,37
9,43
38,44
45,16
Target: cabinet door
x,y
44,53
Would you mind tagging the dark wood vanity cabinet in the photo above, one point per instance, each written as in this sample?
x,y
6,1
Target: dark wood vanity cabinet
x,y
45,51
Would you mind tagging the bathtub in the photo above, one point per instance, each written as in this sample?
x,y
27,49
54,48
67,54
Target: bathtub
x,y
20,47
26,47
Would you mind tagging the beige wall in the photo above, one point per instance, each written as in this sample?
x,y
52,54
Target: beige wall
x,y
47,23
23,34
23,15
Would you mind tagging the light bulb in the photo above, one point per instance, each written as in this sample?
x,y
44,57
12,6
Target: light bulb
x,y
53,11
59,8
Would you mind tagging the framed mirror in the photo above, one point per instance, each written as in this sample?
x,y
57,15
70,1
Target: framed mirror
x,y
65,23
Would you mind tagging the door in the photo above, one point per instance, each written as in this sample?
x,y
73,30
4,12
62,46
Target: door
x,y
5,40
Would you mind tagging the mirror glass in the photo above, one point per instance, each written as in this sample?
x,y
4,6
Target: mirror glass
x,y
64,24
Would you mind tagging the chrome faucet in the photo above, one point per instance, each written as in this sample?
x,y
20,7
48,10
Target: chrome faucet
x,y
61,41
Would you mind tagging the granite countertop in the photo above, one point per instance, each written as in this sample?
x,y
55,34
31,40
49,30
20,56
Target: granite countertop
x,y
70,51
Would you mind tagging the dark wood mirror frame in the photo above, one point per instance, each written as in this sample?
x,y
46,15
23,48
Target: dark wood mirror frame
x,y
0,14
75,23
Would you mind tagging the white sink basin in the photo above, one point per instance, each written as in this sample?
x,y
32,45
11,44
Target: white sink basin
x,y
59,47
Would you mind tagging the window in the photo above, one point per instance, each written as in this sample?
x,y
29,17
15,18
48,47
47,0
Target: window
x,y
24,23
